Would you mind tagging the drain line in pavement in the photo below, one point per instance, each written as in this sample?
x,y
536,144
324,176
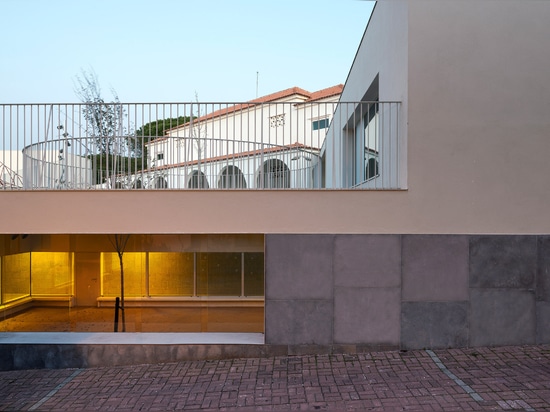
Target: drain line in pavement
x,y
475,396
54,390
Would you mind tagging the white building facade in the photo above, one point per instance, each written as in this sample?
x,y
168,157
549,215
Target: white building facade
x,y
270,142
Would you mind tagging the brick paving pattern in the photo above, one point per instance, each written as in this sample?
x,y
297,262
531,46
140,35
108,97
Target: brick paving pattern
x,y
506,378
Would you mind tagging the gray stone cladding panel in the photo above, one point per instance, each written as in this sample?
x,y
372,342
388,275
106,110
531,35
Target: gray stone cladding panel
x,y
298,266
503,261
367,315
298,322
435,268
434,325
543,322
502,317
543,269
47,356
367,260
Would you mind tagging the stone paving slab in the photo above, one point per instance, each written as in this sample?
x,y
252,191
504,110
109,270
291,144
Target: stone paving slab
x,y
504,378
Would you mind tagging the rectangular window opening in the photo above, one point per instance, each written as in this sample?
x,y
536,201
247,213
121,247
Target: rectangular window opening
x,y
320,124
73,286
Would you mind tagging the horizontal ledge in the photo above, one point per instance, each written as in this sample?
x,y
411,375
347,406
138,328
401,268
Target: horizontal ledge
x,y
175,301
15,306
130,338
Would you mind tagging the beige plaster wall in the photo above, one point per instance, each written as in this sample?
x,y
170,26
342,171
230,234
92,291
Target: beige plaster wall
x,y
226,212
473,78
478,104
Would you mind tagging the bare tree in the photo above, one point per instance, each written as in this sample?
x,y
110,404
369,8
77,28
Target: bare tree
x,y
119,243
196,140
104,120
104,123
197,132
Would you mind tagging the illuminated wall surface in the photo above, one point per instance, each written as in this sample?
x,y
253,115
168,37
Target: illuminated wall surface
x,y
152,274
51,273
171,274
134,274
36,274
16,277
56,282
184,274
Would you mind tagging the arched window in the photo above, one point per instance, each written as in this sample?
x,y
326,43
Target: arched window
x,y
231,177
197,181
274,174
161,183
371,169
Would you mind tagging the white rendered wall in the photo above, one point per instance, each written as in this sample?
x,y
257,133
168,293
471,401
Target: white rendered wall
x,y
382,52
221,135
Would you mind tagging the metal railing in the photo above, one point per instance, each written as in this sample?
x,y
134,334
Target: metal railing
x,y
291,145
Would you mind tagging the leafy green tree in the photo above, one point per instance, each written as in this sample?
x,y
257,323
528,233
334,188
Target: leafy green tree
x,y
151,131
157,128
106,165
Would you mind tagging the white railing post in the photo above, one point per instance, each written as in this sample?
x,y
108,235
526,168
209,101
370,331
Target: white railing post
x,y
222,146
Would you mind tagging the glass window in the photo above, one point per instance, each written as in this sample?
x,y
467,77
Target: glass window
x,y
161,183
134,274
254,274
51,273
367,144
218,274
16,276
75,283
320,124
275,174
171,274
198,181
371,167
372,144
231,178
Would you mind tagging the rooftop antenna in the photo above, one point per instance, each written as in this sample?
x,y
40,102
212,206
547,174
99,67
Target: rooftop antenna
x,y
257,76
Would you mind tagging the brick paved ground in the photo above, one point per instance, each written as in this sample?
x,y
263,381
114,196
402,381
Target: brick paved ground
x,y
507,378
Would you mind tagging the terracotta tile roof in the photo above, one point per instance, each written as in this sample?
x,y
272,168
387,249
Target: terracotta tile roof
x,y
309,97
324,93
282,94
321,94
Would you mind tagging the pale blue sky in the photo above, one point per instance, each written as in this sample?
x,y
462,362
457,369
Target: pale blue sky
x,y
166,50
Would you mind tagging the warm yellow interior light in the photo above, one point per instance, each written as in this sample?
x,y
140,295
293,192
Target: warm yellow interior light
x,y
171,274
134,274
52,273
16,276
